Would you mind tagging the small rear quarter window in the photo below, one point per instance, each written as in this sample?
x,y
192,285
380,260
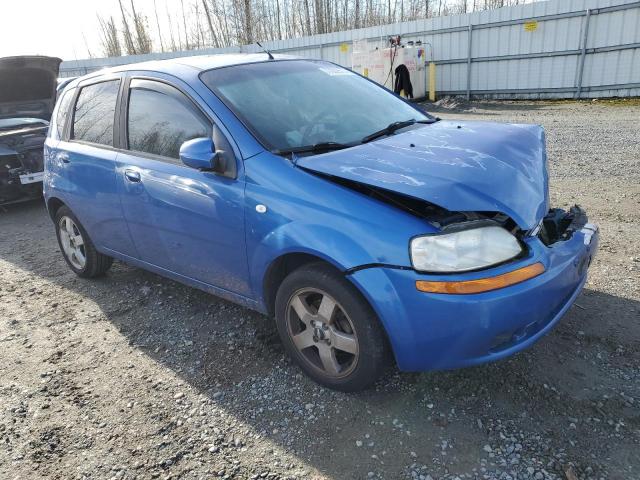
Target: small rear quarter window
x,y
63,112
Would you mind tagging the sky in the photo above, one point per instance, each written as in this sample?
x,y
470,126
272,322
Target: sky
x,y
56,28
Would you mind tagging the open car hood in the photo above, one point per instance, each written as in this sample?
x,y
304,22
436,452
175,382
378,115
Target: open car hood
x,y
16,123
460,166
28,86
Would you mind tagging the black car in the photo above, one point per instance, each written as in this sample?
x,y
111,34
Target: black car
x,y
27,97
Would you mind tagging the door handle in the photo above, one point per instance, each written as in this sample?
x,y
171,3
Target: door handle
x,y
132,175
63,157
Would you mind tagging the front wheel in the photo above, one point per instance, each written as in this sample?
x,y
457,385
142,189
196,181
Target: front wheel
x,y
329,329
77,248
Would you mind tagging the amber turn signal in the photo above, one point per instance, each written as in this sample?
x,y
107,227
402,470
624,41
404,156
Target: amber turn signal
x,y
482,284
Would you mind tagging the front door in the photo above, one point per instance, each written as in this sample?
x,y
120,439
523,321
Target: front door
x,y
181,219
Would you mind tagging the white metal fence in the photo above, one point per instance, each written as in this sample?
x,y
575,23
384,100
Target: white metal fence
x,y
553,49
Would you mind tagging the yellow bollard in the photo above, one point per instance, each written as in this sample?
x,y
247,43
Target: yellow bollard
x,y
432,81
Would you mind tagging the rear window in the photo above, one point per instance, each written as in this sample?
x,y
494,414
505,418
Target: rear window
x,y
94,113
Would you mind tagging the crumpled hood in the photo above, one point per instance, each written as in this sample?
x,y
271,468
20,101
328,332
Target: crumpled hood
x,y
460,166
28,86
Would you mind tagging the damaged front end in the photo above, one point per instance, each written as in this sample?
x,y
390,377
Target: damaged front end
x,y
465,316
21,159
458,176
439,217
559,225
27,99
461,167
556,226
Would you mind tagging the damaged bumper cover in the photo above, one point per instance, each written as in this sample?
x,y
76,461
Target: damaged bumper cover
x,y
430,331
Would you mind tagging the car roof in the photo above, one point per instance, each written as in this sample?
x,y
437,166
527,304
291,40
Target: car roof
x,y
207,62
196,62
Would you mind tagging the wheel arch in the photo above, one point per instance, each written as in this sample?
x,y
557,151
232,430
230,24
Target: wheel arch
x,y
53,205
286,263
282,266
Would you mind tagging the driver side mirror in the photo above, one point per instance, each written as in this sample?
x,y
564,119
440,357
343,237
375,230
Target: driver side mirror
x,y
200,153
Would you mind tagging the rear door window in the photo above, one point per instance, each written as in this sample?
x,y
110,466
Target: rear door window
x,y
161,119
94,113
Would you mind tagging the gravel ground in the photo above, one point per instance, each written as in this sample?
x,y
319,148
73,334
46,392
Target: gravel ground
x,y
135,376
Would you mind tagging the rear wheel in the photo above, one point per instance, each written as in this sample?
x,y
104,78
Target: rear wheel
x,y
329,329
77,248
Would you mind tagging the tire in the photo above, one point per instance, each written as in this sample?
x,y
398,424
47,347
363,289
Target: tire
x,y
93,264
329,329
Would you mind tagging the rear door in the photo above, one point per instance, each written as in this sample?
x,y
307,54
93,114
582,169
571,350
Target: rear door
x,y
83,165
58,131
181,219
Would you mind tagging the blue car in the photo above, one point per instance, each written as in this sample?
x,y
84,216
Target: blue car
x,y
370,230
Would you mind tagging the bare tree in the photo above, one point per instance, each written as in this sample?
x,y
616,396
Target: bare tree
x,y
278,19
224,23
109,39
248,30
308,16
184,21
129,44
212,32
155,9
142,38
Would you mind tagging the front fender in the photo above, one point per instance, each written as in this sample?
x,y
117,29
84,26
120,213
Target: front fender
x,y
329,244
289,210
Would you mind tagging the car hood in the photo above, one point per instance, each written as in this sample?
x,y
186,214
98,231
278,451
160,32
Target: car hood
x,y
28,86
460,166
7,124
14,131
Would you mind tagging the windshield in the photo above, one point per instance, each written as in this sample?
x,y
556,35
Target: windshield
x,y
298,103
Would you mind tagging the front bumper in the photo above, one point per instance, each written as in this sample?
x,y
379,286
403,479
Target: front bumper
x,y
431,331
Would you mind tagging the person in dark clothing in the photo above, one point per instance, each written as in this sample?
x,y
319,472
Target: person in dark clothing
x,y
403,81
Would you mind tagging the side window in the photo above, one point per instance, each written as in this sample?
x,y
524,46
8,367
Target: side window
x,y
161,119
63,111
94,113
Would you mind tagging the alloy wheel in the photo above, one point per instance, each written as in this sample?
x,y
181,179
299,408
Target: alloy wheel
x,y
72,242
322,332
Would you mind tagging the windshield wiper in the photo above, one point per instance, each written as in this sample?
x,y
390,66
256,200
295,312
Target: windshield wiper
x,y
328,146
392,127
316,148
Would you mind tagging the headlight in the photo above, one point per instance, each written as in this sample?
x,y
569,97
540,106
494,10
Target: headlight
x,y
463,250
